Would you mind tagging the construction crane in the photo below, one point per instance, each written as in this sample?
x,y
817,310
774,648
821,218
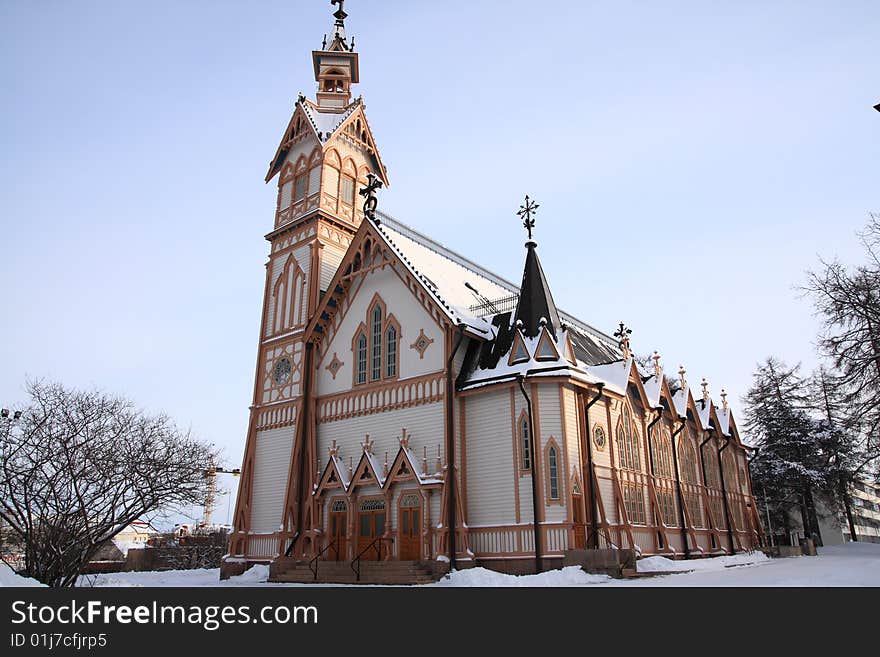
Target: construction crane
x,y
210,495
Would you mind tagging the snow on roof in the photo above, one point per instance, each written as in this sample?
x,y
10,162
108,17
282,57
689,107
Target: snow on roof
x,y
652,387
723,415
377,468
615,375
680,400
704,407
544,367
326,122
447,272
423,477
342,471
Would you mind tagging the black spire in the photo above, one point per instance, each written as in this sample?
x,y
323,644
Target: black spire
x,y
535,301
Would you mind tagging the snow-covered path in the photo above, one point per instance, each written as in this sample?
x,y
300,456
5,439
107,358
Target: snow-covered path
x,y
855,564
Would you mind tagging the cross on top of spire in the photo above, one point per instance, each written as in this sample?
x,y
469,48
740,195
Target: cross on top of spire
x,y
526,210
340,14
622,334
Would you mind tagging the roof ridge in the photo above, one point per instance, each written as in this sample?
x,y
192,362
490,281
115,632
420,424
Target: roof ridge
x,y
446,252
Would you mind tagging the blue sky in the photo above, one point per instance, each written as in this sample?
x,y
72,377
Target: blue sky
x,y
691,159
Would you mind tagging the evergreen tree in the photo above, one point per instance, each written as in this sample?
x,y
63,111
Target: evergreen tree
x,y
789,464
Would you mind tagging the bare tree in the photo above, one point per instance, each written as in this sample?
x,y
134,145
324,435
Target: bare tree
x,y
848,300
81,466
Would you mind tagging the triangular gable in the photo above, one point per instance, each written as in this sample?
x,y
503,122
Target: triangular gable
x,y
568,350
359,114
405,467
277,161
635,378
366,473
546,349
519,353
332,477
353,264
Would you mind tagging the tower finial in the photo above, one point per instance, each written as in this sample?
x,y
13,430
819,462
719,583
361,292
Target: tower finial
x,y
724,399
340,14
681,373
657,369
705,386
526,210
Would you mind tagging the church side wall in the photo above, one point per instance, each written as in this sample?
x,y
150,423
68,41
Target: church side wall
x,y
271,465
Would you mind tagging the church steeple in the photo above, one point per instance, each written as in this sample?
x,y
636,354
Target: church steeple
x,y
535,301
336,64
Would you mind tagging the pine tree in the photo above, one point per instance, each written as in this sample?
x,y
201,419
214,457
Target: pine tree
x,y
789,465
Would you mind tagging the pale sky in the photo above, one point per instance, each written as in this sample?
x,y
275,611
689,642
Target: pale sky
x,y
691,159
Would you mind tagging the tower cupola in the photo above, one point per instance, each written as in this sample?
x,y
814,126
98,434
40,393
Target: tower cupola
x,y
336,64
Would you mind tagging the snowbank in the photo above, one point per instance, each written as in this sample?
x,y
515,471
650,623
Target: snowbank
x,y
570,576
662,564
8,578
257,575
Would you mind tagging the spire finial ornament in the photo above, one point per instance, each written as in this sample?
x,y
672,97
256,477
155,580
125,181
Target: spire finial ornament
x,y
622,336
369,194
657,369
681,373
340,14
723,399
705,386
334,450
367,445
526,210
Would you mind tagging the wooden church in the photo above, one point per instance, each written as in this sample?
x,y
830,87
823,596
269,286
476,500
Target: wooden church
x,y
414,412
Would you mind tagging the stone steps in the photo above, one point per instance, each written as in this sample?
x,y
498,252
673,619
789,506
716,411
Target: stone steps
x,y
372,572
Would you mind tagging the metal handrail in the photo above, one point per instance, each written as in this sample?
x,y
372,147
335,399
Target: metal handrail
x,y
356,562
317,558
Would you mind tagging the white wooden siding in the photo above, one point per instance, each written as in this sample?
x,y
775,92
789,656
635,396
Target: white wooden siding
x,y
331,256
271,466
424,424
491,499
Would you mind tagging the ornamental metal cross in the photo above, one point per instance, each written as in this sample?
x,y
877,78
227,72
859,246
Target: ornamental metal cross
x,y
369,194
622,336
341,4
525,212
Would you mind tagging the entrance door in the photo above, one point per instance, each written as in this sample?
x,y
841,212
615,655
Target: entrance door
x,y
371,525
410,527
580,528
338,524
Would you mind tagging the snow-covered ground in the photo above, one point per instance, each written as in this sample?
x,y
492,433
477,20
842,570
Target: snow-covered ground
x,y
855,564
8,578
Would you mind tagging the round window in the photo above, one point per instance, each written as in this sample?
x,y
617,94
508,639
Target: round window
x,y
599,436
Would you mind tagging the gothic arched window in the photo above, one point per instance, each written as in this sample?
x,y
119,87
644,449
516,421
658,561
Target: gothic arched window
x,y
525,442
627,439
361,359
553,472
376,353
391,352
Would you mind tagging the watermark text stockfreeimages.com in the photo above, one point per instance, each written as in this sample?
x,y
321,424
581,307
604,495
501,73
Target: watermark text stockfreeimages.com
x,y
210,617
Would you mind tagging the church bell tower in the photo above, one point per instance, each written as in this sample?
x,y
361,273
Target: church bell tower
x,y
324,158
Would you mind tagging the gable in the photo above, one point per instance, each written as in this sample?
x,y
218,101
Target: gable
x,y
420,338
